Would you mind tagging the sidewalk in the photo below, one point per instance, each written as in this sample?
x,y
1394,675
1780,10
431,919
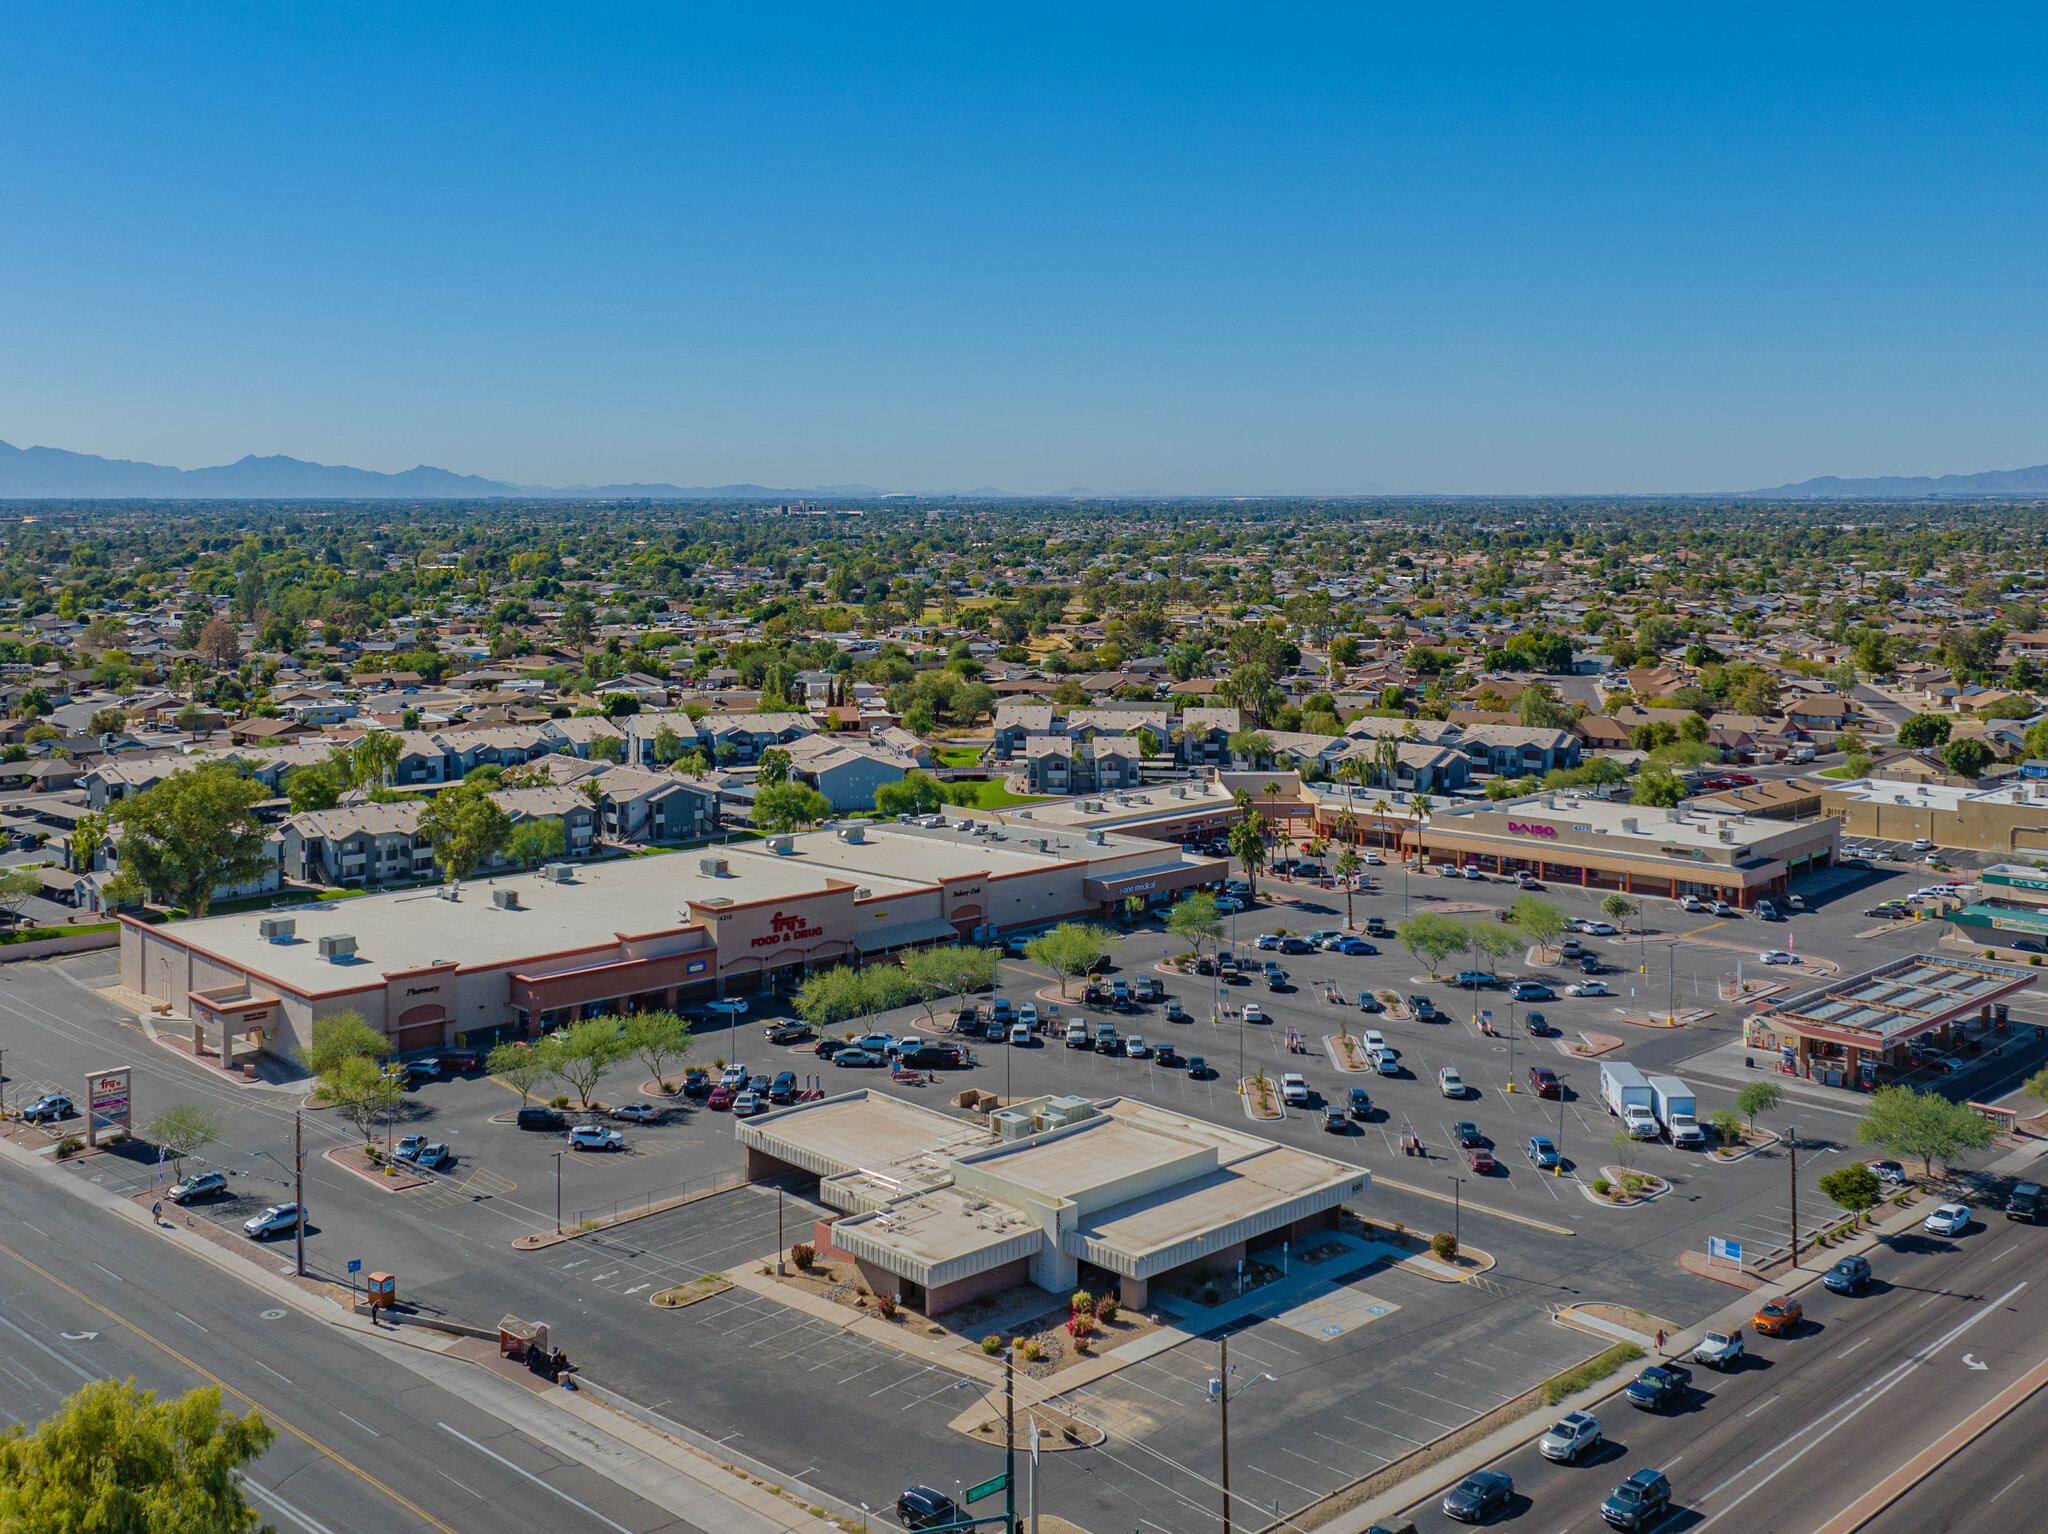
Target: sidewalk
x,y
617,1440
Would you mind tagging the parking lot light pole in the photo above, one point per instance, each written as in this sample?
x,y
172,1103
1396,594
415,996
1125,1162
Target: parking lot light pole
x,y
1457,1206
1560,1122
1792,1146
558,1193
299,1190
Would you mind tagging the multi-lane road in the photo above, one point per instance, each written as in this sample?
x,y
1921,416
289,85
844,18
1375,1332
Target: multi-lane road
x,y
1814,1420
365,1444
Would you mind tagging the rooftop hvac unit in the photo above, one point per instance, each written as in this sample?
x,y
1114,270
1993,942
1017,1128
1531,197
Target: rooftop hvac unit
x,y
712,868
853,834
1179,791
781,843
1628,824
505,900
1097,838
1010,1124
558,873
337,945
276,929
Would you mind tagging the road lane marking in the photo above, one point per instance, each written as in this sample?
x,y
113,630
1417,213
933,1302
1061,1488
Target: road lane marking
x,y
1761,1405
187,1319
1852,1347
1854,1406
444,1475
303,1519
2008,1251
363,1425
259,1363
225,1388
2008,1486
90,1379
543,1485
117,1278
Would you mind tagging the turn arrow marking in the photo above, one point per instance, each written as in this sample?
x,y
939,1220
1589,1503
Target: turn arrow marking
x,y
1970,1362
78,1336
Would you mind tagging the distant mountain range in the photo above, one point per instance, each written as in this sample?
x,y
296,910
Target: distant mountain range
x,y
51,473
1900,487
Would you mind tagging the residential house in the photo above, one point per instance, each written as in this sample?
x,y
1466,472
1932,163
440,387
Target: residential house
x,y
1017,723
1205,736
846,770
653,808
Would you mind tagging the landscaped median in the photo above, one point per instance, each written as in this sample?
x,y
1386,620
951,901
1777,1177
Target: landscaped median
x,y
1260,1095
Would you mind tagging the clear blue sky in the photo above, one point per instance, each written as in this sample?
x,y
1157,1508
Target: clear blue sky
x,y
1266,248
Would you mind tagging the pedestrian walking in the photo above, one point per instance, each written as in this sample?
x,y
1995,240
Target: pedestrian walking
x,y
156,1212
1660,1341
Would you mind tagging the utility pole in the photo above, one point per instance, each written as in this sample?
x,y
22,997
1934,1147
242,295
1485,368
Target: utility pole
x,y
1223,1403
1457,1206
1792,1145
299,1176
1010,1442
558,1193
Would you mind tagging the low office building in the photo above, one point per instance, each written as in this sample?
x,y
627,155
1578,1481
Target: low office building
x,y
1056,1192
509,957
2010,911
1565,838
2009,819
1853,1032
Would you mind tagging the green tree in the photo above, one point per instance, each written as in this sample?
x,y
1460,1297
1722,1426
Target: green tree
x,y
537,841
1248,845
774,767
1657,786
88,836
1541,922
374,758
1854,1187
340,1036
1432,938
1925,731
583,1054
360,1090
194,833
789,806
466,826
1070,950
312,788
657,1038
1966,758
521,1067
1492,941
1923,1124
916,793
183,1131
113,1459
1195,920
1618,909
950,971
1758,1097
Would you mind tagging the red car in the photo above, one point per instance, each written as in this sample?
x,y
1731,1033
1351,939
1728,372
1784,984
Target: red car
x,y
1482,1161
1545,1082
721,1096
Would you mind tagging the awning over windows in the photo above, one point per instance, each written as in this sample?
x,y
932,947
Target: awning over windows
x,y
908,935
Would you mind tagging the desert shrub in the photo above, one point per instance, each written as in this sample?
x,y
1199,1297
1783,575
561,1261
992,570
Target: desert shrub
x,y
1445,1245
803,1254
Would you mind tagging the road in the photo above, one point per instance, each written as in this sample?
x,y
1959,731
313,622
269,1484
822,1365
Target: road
x,y
1780,1446
1986,1489
364,1444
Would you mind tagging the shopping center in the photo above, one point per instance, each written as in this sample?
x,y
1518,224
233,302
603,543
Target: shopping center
x,y
495,959
1564,838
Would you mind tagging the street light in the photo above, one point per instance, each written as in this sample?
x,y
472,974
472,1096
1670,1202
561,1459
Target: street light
x,y
558,1192
1220,1392
1457,1207
1792,1146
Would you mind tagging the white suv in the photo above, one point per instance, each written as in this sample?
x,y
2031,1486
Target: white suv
x,y
1294,1088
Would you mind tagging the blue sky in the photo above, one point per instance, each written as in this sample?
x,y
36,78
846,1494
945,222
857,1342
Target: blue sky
x,y
1177,248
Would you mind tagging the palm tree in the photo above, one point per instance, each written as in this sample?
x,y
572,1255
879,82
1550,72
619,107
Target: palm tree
x,y
1381,810
1347,865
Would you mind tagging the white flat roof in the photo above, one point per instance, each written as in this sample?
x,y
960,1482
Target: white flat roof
x,y
1939,796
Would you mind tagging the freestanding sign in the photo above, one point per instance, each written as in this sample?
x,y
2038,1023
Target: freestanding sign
x,y
1720,1248
106,1102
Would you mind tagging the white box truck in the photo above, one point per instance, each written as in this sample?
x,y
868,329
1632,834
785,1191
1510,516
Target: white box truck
x,y
1671,1100
1627,1095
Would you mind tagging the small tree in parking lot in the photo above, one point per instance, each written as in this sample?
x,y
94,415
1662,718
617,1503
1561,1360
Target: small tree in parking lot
x,y
586,1052
1854,1187
1069,950
1758,1097
182,1131
521,1067
657,1038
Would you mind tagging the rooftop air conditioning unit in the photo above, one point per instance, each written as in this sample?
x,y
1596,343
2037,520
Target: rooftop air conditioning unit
x,y
276,929
1010,1124
714,868
505,900
337,945
853,835
1628,824
781,843
1097,838
559,873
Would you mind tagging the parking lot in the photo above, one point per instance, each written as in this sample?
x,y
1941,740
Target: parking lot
x,y
760,1376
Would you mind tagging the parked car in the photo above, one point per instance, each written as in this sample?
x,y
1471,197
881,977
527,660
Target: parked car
x,y
1335,1120
783,1089
1660,1387
1165,1056
49,1109
854,1057
920,1507
1847,1276
1589,964
1531,990
1890,1173
1477,979
1355,946
1252,1013
1479,1496
1570,1438
1450,1083
788,1033
1175,1013
1360,1103
1474,874
1387,1062
1776,956
1135,1047
434,1157
455,1061
1723,909
1267,940
1077,1035
722,1095
1542,1154
1639,1501
827,1048
595,1137
745,1106
1294,1089
198,1186
1588,988
1889,911
1779,1318
1367,1002
1482,1161
1692,903
1948,1220
1198,1068
1720,1350
1538,1026
1296,945
277,1220
541,1118
417,1071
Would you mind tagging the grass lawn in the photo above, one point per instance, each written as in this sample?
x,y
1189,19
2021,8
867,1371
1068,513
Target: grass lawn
x,y
959,756
1834,772
37,934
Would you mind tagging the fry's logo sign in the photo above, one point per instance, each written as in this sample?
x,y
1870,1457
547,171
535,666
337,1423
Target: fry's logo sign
x,y
783,928
1528,829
